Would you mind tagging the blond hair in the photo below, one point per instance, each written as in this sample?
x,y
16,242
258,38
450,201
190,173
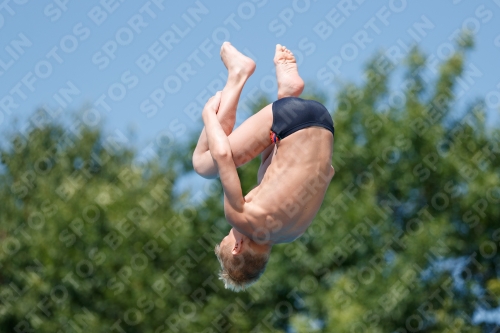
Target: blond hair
x,y
240,272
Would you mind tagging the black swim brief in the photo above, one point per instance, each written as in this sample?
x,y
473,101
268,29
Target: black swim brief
x,y
291,114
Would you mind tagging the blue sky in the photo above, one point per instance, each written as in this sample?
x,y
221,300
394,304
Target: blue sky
x,y
151,65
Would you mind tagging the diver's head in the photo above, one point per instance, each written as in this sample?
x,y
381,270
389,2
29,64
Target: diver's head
x,y
242,260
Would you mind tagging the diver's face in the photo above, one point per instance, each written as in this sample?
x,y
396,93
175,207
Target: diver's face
x,y
229,239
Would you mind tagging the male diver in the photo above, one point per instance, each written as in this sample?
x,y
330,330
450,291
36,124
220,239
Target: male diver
x,y
295,140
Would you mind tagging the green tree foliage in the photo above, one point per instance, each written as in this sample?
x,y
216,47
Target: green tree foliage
x,y
94,239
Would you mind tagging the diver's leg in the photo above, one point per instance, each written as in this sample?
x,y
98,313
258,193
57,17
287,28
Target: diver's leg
x,y
247,141
290,84
239,69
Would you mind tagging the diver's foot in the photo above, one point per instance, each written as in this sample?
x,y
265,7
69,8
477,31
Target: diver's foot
x,y
238,65
290,84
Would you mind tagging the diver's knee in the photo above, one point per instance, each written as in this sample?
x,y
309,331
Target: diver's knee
x,y
203,169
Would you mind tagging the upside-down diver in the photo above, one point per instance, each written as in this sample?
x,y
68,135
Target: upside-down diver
x,y
295,140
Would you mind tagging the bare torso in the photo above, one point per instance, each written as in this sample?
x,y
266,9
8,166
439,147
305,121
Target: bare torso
x,y
294,185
